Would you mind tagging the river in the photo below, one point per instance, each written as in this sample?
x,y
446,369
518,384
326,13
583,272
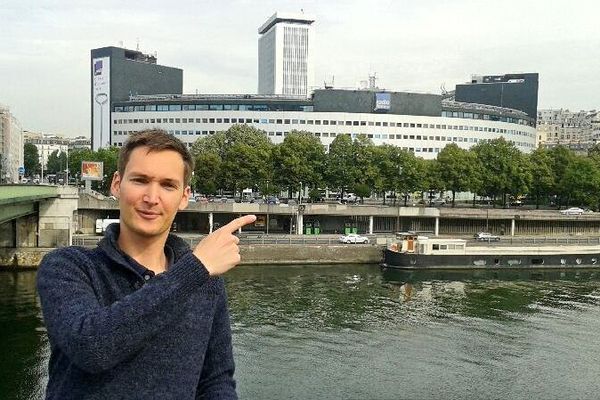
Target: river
x,y
355,332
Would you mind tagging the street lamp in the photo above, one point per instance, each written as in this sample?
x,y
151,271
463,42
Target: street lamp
x,y
268,206
398,202
300,194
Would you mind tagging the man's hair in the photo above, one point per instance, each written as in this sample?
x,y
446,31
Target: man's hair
x,y
156,140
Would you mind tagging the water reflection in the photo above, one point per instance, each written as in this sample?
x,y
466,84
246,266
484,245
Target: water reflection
x,y
23,360
354,331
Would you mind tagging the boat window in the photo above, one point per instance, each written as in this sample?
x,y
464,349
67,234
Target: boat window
x,y
459,247
537,261
436,247
443,247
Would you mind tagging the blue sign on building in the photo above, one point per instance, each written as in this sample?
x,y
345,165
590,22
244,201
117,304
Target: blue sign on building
x,y
382,101
21,170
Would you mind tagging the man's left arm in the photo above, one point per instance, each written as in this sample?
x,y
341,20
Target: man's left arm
x,y
216,380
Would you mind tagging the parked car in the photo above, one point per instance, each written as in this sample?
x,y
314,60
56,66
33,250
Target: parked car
x,y
349,198
572,211
272,200
486,237
438,202
353,238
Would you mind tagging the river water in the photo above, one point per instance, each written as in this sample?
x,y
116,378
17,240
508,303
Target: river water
x,y
355,332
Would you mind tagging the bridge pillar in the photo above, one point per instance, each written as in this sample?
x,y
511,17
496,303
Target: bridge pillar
x,y
210,222
26,231
7,234
512,227
56,223
437,226
370,224
299,224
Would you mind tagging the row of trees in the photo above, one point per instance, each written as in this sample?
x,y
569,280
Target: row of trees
x,y
244,157
57,163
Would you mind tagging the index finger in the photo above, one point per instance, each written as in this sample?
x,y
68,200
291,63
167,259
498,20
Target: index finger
x,y
239,222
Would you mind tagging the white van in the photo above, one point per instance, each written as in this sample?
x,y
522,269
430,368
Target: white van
x,y
102,224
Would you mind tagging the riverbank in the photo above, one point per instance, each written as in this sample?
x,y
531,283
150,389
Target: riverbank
x,y
278,254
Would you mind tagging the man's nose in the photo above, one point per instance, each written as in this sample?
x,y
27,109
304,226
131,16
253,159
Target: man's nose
x,y
151,195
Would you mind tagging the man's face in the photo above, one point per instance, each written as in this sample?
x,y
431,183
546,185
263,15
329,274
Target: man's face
x,y
150,192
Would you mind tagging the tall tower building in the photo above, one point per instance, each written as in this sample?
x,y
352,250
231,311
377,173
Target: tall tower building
x,y
118,73
285,55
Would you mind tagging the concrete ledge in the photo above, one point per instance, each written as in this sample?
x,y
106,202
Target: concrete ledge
x,y
311,254
251,255
22,257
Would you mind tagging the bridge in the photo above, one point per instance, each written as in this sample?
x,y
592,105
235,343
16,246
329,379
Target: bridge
x,y
36,215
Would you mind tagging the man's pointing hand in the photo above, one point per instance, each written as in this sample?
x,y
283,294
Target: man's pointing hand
x,y
219,251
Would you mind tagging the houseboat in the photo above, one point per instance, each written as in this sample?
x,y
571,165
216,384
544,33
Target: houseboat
x,y
413,251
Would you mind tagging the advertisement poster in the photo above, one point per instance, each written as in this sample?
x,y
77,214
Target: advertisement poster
x,y
92,170
100,103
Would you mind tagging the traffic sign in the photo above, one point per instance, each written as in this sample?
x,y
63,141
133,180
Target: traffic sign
x,y
21,170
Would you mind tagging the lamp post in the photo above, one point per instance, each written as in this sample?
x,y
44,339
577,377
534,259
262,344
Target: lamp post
x,y
67,169
398,201
300,194
268,207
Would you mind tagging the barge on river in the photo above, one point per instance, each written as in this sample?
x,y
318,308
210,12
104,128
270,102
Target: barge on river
x,y
412,251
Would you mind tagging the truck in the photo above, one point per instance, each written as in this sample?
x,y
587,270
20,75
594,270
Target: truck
x,y
103,223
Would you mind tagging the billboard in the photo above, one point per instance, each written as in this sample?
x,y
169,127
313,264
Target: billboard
x,y
382,101
100,102
92,170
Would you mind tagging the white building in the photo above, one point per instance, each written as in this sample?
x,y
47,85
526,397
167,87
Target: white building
x,y
11,147
285,55
420,123
46,144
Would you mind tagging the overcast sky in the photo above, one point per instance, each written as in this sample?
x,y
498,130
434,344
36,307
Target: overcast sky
x,y
412,45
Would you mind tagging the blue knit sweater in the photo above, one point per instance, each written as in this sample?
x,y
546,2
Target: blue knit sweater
x,y
118,332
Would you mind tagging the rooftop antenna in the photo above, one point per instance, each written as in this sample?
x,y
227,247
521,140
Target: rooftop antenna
x,y
137,44
372,79
443,89
121,43
329,85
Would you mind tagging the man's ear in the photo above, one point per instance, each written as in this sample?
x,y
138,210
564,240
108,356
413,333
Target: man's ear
x,y
115,186
187,193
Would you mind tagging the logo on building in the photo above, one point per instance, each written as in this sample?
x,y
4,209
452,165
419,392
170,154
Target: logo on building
x,y
98,68
382,101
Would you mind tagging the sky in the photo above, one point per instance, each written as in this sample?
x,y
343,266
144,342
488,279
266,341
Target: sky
x,y
418,45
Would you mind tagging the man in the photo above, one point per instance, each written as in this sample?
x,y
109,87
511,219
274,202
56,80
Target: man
x,y
142,316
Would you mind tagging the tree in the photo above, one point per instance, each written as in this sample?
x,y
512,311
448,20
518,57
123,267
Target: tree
x,y
455,167
300,158
581,180
241,155
339,170
75,159
109,157
57,162
31,159
504,169
367,175
540,162
207,173
562,158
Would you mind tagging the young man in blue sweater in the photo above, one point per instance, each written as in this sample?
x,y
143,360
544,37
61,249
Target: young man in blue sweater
x,y
142,316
